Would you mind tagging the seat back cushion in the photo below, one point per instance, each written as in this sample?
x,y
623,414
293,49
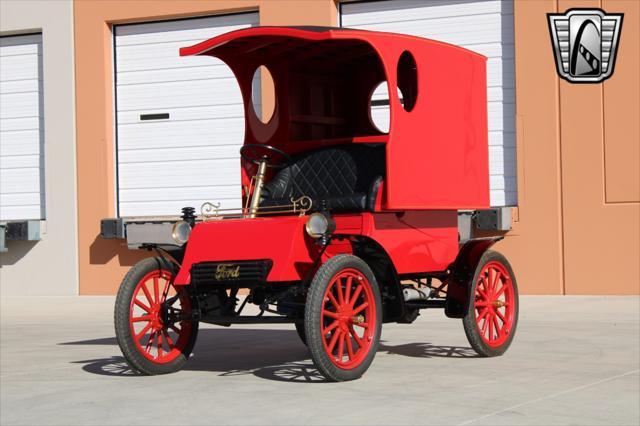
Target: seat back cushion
x,y
339,177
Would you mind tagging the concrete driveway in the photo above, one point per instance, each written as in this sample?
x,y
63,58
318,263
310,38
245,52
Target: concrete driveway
x,y
575,360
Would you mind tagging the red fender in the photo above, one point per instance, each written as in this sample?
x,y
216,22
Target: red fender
x,y
461,273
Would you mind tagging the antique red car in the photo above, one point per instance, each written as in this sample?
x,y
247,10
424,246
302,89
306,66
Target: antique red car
x,y
345,225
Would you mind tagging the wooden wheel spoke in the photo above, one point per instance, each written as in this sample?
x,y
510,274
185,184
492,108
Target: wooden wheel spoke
x,y
331,327
341,346
360,308
334,340
143,332
363,325
338,285
347,291
156,290
333,300
490,319
502,318
350,352
499,292
152,338
485,326
142,305
496,326
355,296
145,290
142,318
165,290
330,314
355,336
482,315
168,339
160,350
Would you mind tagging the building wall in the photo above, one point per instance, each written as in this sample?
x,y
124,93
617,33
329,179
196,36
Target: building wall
x,y
103,263
48,266
576,227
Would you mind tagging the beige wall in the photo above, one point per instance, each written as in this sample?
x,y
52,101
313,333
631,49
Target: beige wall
x,y
576,227
49,266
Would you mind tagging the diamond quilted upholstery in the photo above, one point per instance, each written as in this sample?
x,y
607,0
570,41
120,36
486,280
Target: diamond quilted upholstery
x,y
340,176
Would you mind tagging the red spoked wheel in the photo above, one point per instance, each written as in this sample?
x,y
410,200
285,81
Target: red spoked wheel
x,y
492,317
154,307
153,319
348,311
343,318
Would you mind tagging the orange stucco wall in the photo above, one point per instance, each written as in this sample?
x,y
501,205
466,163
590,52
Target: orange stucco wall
x,y
576,228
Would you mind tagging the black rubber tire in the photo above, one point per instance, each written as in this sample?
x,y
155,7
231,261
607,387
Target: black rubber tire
x,y
301,332
312,319
469,320
121,320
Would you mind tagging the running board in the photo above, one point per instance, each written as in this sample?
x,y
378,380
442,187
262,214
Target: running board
x,y
426,304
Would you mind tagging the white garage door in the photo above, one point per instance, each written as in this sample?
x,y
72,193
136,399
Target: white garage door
x,y
21,128
485,27
179,119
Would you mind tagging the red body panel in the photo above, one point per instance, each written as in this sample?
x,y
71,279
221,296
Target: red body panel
x,y
437,154
415,242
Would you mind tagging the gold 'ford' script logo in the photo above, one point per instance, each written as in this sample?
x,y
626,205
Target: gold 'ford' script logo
x,y
227,271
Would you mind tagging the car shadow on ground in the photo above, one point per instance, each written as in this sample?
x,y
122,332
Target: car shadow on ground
x,y
269,354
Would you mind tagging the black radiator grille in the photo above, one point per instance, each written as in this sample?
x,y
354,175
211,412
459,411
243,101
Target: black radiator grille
x,y
242,272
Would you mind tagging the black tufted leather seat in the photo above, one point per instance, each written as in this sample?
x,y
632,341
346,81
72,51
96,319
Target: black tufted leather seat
x,y
345,178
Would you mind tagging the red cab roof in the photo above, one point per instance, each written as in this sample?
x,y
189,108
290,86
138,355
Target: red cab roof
x,y
437,150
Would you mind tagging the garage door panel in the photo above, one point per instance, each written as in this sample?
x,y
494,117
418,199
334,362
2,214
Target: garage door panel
x,y
485,27
21,128
190,156
160,56
21,124
179,153
196,29
163,57
496,112
20,86
19,105
171,174
401,10
199,72
184,134
172,207
19,161
16,181
497,165
20,143
20,67
179,94
206,192
229,113
500,73
20,199
21,212
498,94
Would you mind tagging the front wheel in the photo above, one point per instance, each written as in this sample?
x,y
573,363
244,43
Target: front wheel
x,y
492,316
343,318
152,319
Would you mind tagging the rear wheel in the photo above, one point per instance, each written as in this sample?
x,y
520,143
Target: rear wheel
x,y
150,319
343,318
300,331
492,317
